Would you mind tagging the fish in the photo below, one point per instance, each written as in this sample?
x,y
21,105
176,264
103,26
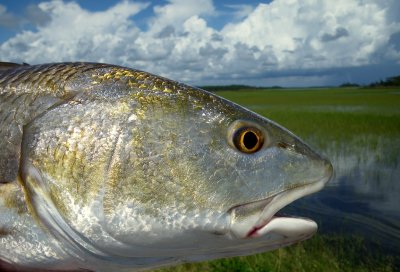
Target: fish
x,y
108,168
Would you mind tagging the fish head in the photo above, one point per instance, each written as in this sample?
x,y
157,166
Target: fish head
x,y
275,174
214,175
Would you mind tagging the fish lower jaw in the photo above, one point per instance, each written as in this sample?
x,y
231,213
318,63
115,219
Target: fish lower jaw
x,y
262,218
301,228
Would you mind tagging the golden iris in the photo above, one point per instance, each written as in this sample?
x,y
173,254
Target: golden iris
x,y
248,139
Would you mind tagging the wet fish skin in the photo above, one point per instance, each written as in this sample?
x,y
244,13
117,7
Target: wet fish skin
x,y
25,93
105,166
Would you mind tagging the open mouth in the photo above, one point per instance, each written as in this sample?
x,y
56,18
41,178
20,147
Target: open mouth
x,y
258,218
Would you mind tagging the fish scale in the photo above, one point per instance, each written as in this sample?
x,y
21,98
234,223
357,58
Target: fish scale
x,y
49,83
14,87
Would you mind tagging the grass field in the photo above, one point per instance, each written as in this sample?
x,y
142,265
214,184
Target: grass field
x,y
337,122
321,253
327,114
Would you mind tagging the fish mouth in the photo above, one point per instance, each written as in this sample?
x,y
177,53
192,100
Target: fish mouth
x,y
257,218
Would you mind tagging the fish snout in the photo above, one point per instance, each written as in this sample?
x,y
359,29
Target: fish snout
x,y
322,165
302,172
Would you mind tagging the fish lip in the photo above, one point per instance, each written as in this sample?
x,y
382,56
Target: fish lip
x,y
272,205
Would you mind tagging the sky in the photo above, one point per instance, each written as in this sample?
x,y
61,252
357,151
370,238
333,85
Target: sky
x,y
289,43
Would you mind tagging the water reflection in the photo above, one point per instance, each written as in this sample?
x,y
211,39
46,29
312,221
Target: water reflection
x,y
364,197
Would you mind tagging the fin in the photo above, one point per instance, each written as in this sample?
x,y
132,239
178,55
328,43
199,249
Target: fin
x,y
4,66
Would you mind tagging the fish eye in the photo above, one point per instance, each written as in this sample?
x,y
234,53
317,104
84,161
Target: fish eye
x,y
248,139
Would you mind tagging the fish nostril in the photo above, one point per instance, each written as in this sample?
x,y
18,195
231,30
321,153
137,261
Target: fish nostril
x,y
320,162
283,145
307,151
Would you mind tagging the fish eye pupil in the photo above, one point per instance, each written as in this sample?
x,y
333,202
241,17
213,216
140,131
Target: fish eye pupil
x,y
250,140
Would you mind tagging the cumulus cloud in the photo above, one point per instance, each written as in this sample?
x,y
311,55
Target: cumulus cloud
x,y
282,39
73,33
176,12
296,32
36,15
339,32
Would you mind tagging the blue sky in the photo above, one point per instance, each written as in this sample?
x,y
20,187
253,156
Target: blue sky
x,y
280,42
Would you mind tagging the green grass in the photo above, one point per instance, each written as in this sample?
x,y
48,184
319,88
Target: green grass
x,y
334,113
321,253
336,122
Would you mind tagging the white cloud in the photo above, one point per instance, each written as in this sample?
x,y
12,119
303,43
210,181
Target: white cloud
x,y
176,12
308,34
75,34
35,15
280,37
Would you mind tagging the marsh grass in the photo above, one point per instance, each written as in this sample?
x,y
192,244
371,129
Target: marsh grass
x,y
338,114
320,253
360,122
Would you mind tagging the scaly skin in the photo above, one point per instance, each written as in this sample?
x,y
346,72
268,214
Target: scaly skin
x,y
106,167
